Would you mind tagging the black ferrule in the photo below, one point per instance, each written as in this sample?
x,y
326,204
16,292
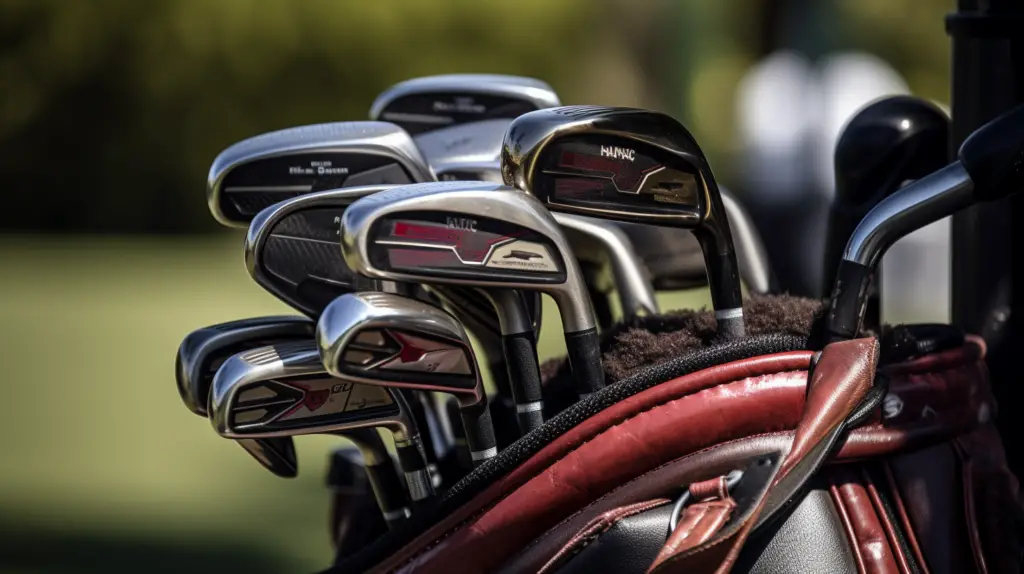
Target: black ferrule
x,y
849,300
584,351
410,457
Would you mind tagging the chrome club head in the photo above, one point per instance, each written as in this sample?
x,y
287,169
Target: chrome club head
x,y
385,339
260,171
203,351
465,152
481,235
628,165
423,104
989,166
291,249
283,391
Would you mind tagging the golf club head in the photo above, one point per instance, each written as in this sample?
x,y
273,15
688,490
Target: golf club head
x,y
282,390
431,232
629,165
423,104
258,172
373,337
989,166
887,143
291,249
398,342
465,152
203,351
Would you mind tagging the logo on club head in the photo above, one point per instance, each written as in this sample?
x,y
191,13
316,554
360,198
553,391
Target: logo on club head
x,y
524,255
313,400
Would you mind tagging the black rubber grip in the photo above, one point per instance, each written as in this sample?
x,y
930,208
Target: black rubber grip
x,y
387,486
849,300
476,419
524,379
523,367
584,351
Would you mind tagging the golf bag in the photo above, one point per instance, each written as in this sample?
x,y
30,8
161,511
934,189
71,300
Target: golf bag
x,y
761,454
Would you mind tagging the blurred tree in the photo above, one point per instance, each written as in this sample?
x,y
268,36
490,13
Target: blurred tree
x,y
112,110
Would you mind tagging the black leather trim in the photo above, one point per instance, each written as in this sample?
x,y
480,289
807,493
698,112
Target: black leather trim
x,y
810,539
629,546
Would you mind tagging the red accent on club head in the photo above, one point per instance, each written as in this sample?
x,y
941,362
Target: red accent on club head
x,y
313,400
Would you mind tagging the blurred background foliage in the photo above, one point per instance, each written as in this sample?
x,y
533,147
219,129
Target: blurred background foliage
x,y
110,114
113,109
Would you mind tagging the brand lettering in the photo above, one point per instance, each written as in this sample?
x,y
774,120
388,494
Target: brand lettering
x,y
464,105
341,388
618,152
460,223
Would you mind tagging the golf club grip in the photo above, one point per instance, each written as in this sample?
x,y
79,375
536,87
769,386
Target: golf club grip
x,y
849,299
387,488
584,351
524,379
726,294
476,420
414,466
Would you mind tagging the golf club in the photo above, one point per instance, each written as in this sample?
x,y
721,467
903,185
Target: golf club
x,y
283,391
989,166
886,144
396,342
203,351
628,165
258,172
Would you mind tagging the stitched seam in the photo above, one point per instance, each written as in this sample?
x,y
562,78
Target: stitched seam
x,y
611,426
688,532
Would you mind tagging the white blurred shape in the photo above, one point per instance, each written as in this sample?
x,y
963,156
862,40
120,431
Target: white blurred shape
x,y
915,277
776,113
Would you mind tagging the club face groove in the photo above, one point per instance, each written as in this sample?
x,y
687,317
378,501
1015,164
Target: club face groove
x,y
260,171
382,338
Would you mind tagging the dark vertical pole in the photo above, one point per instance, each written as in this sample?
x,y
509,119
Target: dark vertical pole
x,y
988,78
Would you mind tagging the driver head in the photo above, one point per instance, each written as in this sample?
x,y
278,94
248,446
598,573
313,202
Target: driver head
x,y
424,104
381,337
263,170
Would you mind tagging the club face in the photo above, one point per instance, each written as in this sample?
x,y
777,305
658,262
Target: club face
x,y
613,163
261,171
203,351
384,338
282,390
291,249
424,104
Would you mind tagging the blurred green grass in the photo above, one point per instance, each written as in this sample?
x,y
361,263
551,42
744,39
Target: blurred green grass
x,y
103,469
